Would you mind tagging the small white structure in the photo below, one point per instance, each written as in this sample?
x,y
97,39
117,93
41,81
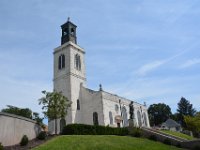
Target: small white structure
x,y
171,125
88,106
13,127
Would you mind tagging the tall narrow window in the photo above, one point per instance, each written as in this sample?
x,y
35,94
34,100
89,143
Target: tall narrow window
x,y
95,118
78,104
139,119
61,61
77,62
62,124
124,116
145,119
111,117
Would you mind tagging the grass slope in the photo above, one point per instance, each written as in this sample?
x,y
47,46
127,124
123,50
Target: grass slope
x,y
178,134
102,142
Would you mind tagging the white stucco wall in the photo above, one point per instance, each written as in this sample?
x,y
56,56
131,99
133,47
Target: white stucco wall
x,y
109,102
91,101
12,129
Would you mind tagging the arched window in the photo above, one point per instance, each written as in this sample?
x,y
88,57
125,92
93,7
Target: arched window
x,y
111,117
61,61
77,62
139,118
116,108
62,124
95,118
145,119
78,104
124,116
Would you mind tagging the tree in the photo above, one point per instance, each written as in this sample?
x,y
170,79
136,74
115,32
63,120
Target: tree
x,y
184,109
37,118
158,113
193,123
55,106
24,112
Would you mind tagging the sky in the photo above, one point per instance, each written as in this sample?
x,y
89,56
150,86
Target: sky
x,y
144,50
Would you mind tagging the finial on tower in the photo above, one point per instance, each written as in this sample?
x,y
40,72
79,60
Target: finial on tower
x,y
68,19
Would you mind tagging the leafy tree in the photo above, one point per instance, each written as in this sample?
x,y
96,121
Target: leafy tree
x,y
193,123
158,113
184,109
37,118
24,112
55,106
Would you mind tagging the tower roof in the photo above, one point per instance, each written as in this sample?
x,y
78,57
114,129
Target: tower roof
x,y
68,22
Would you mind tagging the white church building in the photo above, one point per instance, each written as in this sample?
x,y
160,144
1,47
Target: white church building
x,y
88,106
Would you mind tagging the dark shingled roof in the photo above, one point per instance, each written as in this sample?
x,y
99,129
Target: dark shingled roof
x,y
171,123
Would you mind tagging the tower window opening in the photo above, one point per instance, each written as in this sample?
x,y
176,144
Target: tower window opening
x,y
65,32
72,31
77,62
78,104
61,61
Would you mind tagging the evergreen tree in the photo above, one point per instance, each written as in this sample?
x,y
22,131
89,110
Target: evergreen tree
x,y
184,109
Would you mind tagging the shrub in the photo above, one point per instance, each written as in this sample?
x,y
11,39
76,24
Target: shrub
x,y
82,129
42,135
1,146
167,141
196,147
152,137
24,140
136,132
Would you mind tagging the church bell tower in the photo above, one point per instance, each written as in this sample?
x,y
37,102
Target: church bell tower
x,y
68,32
69,71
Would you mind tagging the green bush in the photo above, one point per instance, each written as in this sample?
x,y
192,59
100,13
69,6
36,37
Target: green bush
x,y
152,137
1,146
136,132
42,135
82,129
167,141
24,140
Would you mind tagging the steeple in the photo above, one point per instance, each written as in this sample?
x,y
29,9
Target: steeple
x,y
68,32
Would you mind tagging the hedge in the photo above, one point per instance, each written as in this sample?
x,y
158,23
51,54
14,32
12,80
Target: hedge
x,y
82,129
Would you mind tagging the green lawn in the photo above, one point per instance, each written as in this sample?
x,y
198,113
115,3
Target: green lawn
x,y
102,142
178,134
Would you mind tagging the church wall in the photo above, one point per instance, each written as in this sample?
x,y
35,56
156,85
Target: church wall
x,y
77,77
91,101
109,102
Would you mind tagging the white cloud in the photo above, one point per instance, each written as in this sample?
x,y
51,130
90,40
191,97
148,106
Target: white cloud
x,y
191,62
142,71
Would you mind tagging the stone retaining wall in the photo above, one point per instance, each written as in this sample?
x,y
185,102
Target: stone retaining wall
x,y
189,144
13,127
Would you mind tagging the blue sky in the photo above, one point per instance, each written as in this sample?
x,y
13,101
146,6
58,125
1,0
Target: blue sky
x,y
145,50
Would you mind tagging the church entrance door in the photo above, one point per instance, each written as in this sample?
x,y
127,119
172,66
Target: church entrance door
x,y
118,125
